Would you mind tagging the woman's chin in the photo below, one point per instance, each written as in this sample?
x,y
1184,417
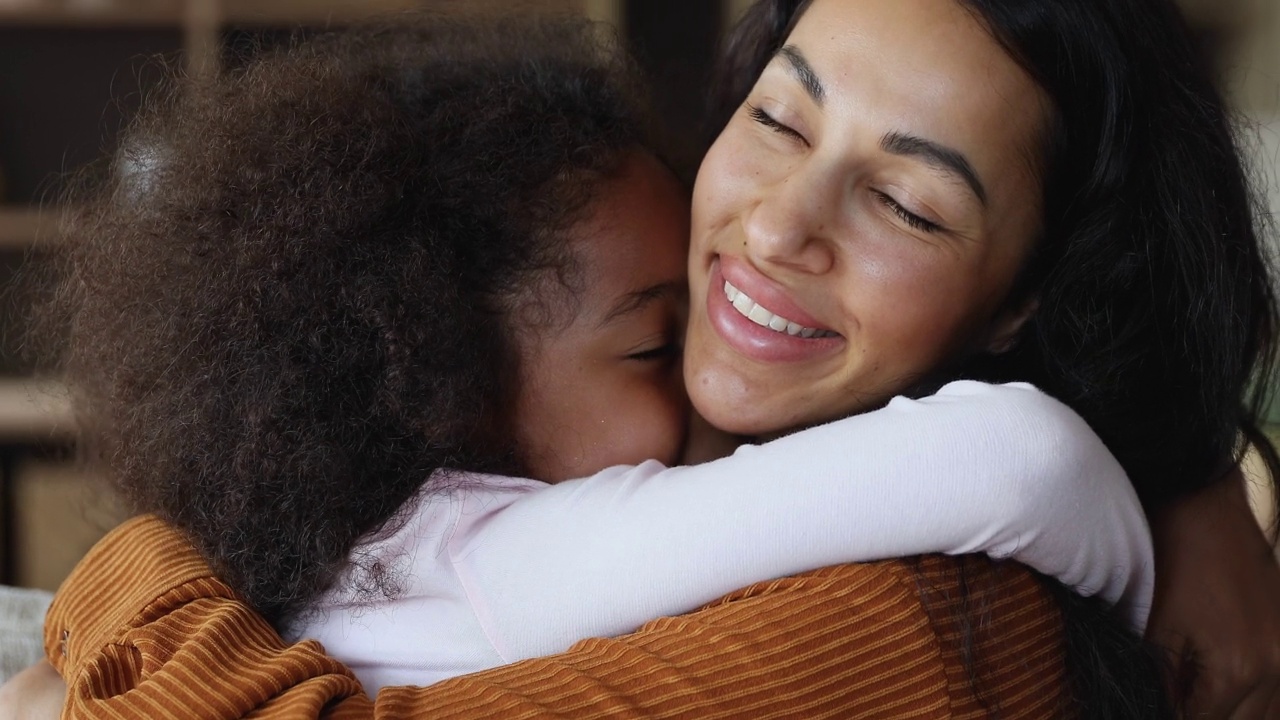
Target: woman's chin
x,y
736,416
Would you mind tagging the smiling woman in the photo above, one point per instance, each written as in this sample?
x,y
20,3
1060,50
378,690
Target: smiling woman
x,y
887,213
504,312
1101,231
902,192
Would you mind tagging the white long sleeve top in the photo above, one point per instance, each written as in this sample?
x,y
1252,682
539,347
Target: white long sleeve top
x,y
495,569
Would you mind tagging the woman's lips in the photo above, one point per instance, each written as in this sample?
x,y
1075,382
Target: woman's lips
x,y
763,290
758,331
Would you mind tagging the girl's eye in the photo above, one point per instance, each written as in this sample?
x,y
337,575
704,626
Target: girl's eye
x,y
767,120
662,352
910,218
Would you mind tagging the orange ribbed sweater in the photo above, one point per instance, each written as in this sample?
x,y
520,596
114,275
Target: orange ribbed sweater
x,y
142,629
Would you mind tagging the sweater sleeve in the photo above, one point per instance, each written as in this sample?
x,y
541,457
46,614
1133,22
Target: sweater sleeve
x,y
1003,470
841,642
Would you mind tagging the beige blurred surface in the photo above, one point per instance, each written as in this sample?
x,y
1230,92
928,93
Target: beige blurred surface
x,y
1262,496
59,515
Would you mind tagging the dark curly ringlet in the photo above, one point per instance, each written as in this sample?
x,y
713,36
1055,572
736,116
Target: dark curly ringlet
x,y
291,300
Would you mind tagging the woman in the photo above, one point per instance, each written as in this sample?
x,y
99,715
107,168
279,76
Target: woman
x,y
957,172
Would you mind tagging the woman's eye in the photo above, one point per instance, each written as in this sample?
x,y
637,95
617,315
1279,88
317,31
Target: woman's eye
x,y
910,218
662,352
767,120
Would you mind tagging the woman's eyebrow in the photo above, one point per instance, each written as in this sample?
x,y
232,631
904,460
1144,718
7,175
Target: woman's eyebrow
x,y
939,156
633,302
804,73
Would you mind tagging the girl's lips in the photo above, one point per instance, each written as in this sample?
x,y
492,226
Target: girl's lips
x,y
755,341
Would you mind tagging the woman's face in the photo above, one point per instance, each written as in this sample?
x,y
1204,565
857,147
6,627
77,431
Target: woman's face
x,y
861,219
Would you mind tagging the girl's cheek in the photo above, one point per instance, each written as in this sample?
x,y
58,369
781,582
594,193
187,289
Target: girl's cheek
x,y
654,430
672,425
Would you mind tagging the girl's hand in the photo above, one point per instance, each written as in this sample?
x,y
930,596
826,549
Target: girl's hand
x,y
37,693
1217,605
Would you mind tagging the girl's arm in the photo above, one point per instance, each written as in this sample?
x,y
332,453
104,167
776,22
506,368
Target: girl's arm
x,y
1004,470
142,629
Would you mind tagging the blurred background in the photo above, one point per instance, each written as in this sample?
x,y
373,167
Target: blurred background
x,y
73,71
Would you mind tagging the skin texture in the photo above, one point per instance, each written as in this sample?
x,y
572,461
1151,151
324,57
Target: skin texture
x,y
1215,608
603,387
37,692
803,204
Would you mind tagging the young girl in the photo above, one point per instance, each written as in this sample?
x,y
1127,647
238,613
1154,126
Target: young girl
x,y
355,316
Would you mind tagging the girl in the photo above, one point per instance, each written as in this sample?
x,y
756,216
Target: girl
x,y
339,305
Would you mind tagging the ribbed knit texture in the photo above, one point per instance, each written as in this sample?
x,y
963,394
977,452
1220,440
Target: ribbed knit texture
x,y
143,630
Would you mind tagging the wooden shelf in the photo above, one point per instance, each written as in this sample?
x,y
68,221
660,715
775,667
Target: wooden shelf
x,y
32,411
177,13
311,13
21,227
93,14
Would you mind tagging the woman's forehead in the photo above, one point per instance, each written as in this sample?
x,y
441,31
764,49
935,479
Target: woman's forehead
x,y
929,69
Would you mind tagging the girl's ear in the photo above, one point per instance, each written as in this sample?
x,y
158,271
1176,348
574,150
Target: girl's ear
x,y
1004,330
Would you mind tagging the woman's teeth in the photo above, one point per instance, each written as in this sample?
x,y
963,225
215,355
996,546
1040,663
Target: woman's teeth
x,y
758,314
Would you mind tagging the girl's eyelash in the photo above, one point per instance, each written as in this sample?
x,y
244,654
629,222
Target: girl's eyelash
x,y
768,121
662,352
907,216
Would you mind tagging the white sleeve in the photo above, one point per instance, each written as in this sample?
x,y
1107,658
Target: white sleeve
x,y
1004,470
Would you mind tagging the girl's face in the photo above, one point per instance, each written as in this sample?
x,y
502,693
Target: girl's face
x,y
862,217
605,388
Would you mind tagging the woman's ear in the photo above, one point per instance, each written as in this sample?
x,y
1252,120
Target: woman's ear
x,y
1005,328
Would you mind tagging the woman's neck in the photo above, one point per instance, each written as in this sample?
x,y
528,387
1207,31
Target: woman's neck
x,y
705,443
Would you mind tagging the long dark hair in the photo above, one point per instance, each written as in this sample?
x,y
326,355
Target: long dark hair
x,y
288,304
1156,317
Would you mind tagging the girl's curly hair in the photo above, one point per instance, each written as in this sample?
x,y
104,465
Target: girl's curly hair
x,y
289,303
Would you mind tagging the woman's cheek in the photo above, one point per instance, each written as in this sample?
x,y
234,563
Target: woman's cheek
x,y
731,171
912,307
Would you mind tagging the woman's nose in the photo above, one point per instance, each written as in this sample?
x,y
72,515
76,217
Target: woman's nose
x,y
791,225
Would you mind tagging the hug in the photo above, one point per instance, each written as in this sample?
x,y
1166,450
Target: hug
x,y
403,343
